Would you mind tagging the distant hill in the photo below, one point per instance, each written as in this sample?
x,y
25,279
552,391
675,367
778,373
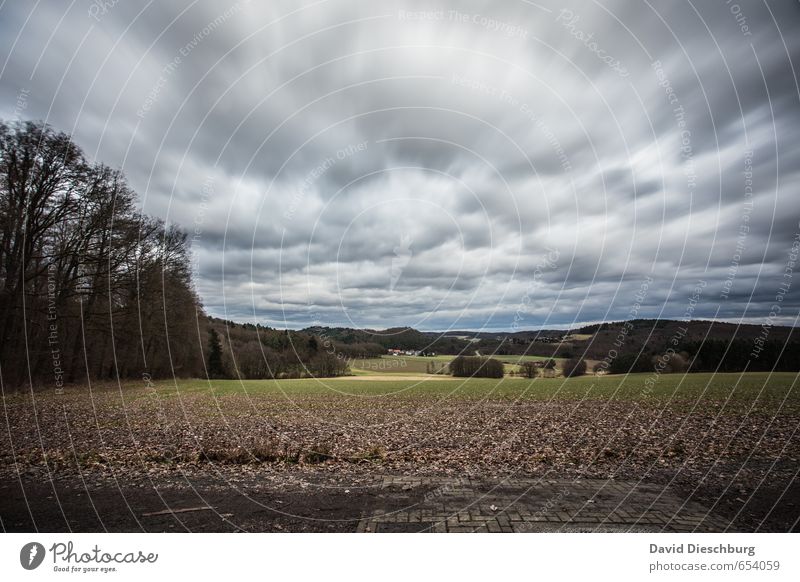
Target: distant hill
x,y
589,341
624,345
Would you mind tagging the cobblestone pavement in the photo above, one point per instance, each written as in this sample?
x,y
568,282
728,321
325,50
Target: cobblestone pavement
x,y
531,505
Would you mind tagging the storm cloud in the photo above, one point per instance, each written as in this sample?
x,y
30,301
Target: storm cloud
x,y
444,165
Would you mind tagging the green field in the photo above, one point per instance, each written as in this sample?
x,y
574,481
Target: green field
x,y
397,364
512,363
520,359
762,390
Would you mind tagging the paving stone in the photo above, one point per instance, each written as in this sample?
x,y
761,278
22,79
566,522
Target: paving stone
x,y
535,506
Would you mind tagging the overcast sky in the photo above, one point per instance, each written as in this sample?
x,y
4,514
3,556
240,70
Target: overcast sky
x,y
444,165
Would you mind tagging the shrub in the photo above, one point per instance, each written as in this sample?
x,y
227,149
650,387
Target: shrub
x,y
476,367
574,367
528,369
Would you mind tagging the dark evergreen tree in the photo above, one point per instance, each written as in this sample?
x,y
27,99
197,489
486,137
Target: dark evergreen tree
x,y
215,366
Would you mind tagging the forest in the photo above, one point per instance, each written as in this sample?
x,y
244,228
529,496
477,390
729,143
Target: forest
x,y
91,288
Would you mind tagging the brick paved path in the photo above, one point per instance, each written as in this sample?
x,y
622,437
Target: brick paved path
x,y
531,505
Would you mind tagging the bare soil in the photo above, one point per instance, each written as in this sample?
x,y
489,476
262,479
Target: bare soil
x,y
311,463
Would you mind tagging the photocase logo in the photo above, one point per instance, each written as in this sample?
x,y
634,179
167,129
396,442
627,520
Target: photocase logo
x,y
31,555
402,256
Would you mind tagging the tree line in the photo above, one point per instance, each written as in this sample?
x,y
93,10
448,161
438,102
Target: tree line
x,y
91,288
713,355
739,354
247,351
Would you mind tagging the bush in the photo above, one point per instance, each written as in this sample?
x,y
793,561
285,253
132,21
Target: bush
x,y
528,369
476,367
574,367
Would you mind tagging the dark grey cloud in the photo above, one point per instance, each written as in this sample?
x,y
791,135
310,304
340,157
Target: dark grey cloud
x,y
449,164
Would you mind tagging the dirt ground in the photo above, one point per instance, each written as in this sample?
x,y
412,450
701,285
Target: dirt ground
x,y
317,500
315,463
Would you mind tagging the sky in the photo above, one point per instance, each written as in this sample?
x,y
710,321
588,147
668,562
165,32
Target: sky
x,y
442,165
